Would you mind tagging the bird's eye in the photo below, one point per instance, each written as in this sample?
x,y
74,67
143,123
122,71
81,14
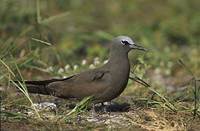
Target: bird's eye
x,y
124,42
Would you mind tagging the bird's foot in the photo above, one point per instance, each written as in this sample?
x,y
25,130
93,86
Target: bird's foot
x,y
109,107
102,107
94,114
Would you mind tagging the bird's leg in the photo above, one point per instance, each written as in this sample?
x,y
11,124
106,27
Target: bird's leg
x,y
103,106
93,107
39,100
93,110
109,110
107,107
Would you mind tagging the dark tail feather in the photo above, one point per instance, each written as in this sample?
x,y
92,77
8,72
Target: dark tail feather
x,y
40,87
42,82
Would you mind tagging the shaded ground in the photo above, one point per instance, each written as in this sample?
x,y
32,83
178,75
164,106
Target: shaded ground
x,y
137,114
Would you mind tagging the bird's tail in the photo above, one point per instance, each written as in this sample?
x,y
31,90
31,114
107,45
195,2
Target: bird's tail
x,y
39,87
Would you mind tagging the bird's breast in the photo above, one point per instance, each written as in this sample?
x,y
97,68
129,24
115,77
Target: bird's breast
x,y
119,78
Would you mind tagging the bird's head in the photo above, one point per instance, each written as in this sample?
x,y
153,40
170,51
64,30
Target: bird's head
x,y
126,44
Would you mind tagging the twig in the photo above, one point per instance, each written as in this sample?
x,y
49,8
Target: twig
x,y
41,41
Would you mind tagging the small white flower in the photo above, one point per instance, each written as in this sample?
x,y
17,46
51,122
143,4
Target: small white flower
x,y
67,67
75,67
83,62
49,69
106,61
167,72
91,66
96,61
64,77
157,70
57,77
61,70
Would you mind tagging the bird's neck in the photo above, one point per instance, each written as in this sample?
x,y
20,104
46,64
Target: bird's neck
x,y
119,58
119,68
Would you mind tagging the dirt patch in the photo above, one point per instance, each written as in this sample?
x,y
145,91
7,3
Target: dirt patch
x,y
135,118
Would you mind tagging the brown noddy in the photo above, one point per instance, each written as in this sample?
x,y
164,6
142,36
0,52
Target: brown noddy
x,y
104,83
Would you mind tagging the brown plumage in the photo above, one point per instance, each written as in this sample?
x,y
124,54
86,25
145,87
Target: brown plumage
x,y
104,83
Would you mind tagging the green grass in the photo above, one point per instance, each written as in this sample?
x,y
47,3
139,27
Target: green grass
x,y
196,90
39,39
20,85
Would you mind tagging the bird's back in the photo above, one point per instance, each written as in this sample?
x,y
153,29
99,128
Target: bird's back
x,y
92,82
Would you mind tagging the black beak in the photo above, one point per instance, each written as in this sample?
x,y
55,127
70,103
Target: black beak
x,y
138,47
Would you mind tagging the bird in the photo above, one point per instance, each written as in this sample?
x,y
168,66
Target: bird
x,y
104,83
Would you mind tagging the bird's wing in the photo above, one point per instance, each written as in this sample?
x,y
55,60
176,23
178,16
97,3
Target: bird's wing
x,y
44,82
87,76
83,84
95,75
